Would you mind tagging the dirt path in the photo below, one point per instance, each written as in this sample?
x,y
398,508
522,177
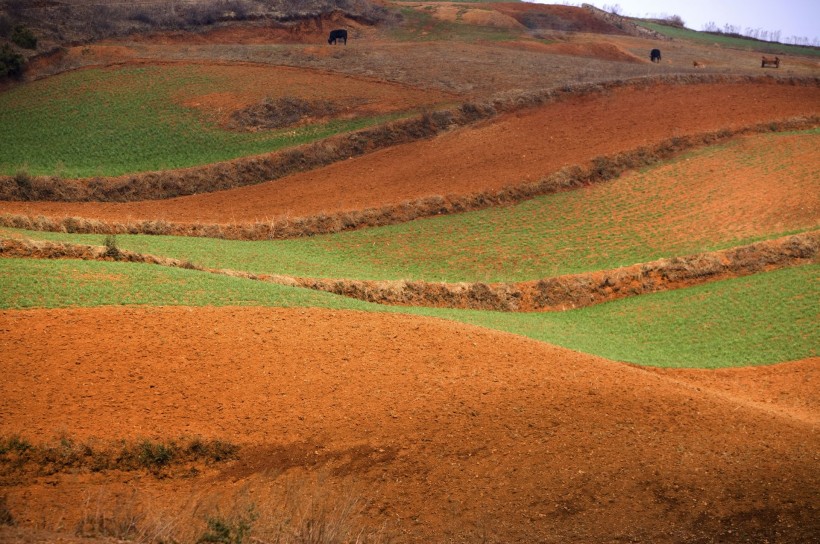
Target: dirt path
x,y
451,431
516,148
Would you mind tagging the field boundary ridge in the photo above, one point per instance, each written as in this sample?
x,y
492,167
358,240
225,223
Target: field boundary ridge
x,y
558,293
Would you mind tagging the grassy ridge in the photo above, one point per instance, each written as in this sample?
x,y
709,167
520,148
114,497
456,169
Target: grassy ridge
x,y
765,318
664,211
728,41
106,122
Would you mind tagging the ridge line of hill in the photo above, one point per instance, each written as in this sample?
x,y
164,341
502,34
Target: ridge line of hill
x,y
253,170
549,294
737,400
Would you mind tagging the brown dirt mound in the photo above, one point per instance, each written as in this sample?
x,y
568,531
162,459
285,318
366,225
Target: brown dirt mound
x,y
453,432
518,148
470,15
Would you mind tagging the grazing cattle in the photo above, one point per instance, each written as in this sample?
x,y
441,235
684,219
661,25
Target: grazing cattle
x,y
770,61
697,64
338,34
655,55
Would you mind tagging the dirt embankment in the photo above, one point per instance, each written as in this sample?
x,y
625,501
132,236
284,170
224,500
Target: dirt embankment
x,y
444,431
549,294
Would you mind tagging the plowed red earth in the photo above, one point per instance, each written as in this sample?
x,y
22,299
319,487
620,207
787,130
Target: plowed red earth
x,y
515,148
454,433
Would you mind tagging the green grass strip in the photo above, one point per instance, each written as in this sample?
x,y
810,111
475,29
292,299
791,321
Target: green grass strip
x,y
31,283
105,122
761,319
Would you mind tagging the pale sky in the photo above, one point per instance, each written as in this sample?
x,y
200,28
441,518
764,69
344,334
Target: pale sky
x,y
791,17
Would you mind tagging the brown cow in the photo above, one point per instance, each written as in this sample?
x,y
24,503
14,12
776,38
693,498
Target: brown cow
x,y
770,61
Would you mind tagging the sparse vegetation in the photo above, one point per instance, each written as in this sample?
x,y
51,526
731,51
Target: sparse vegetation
x,y
24,37
20,457
6,517
11,62
281,112
82,21
235,530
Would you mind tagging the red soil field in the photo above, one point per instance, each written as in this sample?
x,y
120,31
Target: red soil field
x,y
246,84
516,148
452,432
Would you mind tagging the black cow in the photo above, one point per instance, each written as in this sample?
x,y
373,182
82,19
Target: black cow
x,y
338,34
655,55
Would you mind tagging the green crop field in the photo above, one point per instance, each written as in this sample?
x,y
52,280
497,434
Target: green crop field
x,y
663,211
765,318
105,122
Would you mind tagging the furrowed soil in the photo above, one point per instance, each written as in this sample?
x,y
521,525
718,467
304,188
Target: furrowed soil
x,y
445,432
514,149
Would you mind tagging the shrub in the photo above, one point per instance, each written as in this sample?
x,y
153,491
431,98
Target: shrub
x,y
5,514
154,456
229,531
676,21
111,248
24,37
14,444
11,62
6,26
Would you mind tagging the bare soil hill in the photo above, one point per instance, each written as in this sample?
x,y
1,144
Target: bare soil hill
x,y
517,148
447,432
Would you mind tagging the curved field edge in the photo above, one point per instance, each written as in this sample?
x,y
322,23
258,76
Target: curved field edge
x,y
600,170
549,294
765,189
765,318
257,169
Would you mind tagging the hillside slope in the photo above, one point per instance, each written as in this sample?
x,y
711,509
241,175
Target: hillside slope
x,y
448,432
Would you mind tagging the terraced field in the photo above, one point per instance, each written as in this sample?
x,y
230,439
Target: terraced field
x,y
328,379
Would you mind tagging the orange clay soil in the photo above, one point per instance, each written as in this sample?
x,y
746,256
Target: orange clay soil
x,y
515,148
451,432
